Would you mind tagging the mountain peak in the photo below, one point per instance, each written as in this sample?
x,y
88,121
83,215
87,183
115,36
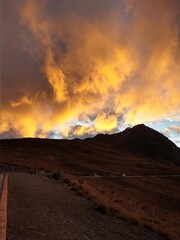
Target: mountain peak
x,y
146,141
141,125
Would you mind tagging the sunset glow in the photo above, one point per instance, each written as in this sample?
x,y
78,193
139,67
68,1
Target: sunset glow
x,y
78,68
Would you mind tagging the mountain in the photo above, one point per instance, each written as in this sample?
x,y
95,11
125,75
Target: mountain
x,y
145,141
135,150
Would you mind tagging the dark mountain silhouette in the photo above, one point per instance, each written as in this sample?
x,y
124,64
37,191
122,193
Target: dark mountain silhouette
x,y
128,151
145,141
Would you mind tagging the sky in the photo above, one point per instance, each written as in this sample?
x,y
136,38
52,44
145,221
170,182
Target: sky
x,y
75,68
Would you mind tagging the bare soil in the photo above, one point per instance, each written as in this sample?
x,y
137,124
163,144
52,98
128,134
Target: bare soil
x,y
40,208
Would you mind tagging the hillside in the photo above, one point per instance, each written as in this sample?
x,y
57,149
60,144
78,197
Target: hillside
x,y
134,173
137,149
145,141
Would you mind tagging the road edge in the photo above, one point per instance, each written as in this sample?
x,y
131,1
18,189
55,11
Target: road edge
x,y
3,209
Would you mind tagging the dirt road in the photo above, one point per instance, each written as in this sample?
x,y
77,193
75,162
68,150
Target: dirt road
x,y
41,209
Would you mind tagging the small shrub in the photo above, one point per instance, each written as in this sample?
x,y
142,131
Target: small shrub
x,y
32,171
74,188
67,181
56,176
102,209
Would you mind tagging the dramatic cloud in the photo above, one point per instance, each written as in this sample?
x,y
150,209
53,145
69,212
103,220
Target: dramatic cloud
x,y
104,122
174,130
76,68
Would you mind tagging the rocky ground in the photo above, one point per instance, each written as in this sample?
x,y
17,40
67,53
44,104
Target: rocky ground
x,y
43,209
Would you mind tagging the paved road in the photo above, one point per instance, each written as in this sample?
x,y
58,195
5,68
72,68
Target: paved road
x,y
1,182
41,209
153,176
132,176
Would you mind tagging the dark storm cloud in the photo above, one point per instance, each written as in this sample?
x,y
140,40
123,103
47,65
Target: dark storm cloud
x,y
20,71
102,63
10,133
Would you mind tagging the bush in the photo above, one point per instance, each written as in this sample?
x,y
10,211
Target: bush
x,y
102,209
67,181
56,176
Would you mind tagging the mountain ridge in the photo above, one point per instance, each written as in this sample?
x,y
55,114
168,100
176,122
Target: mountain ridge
x,y
139,140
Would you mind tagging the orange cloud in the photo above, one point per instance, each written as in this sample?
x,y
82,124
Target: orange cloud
x,y
77,131
105,122
56,78
120,61
21,101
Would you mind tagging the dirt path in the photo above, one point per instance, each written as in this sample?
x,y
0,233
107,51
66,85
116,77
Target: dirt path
x,y
40,209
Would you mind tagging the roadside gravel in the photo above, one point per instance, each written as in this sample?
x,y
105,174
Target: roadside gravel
x,y
42,209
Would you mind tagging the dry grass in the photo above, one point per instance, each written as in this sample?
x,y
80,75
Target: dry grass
x,y
108,202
